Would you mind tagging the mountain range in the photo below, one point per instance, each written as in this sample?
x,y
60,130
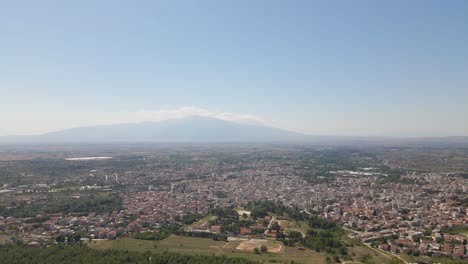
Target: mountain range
x,y
204,129
189,129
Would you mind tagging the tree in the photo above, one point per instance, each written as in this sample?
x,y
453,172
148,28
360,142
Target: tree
x,y
294,235
60,238
263,249
275,226
256,250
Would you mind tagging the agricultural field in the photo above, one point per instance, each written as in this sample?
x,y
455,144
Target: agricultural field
x,y
178,244
203,246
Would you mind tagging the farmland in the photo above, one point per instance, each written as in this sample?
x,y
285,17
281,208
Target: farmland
x,y
203,246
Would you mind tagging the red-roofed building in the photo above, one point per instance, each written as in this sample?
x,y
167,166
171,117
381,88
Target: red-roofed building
x,y
245,231
216,229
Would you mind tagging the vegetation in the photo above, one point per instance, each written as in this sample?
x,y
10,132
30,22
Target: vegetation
x,y
454,230
98,202
229,220
19,254
216,237
323,235
190,218
327,240
69,238
261,209
394,176
162,234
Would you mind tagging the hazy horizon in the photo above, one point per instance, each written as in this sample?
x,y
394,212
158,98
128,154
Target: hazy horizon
x,y
361,68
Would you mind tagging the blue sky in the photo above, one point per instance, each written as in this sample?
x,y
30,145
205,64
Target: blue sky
x,y
393,68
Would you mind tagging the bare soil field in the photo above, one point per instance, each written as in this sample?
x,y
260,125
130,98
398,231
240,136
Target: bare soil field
x,y
249,245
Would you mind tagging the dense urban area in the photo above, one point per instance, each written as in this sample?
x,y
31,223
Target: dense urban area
x,y
237,202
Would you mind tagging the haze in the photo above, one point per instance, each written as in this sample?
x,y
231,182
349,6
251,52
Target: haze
x,y
367,68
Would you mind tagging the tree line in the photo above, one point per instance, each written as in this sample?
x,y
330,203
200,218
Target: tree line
x,y
71,254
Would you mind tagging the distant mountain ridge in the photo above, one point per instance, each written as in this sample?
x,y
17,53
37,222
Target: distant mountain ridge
x,y
206,129
189,129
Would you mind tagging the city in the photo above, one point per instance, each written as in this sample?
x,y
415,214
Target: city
x,y
389,208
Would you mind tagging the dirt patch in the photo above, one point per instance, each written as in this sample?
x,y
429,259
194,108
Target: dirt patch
x,y
248,246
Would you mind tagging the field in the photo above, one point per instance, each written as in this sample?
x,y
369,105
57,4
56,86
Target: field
x,y
203,221
4,238
250,245
465,234
364,254
178,244
289,254
426,259
203,246
299,226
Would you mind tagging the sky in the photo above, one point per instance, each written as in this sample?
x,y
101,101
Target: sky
x,y
358,68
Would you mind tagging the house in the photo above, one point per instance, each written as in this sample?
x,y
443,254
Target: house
x,y
405,243
448,249
216,229
48,225
200,229
395,249
459,251
385,247
245,231
272,233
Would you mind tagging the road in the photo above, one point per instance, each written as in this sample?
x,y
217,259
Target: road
x,y
221,249
384,253
269,225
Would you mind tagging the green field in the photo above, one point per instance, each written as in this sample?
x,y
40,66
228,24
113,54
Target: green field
x,y
299,226
202,221
178,244
426,259
4,238
203,246
367,255
465,234
361,253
